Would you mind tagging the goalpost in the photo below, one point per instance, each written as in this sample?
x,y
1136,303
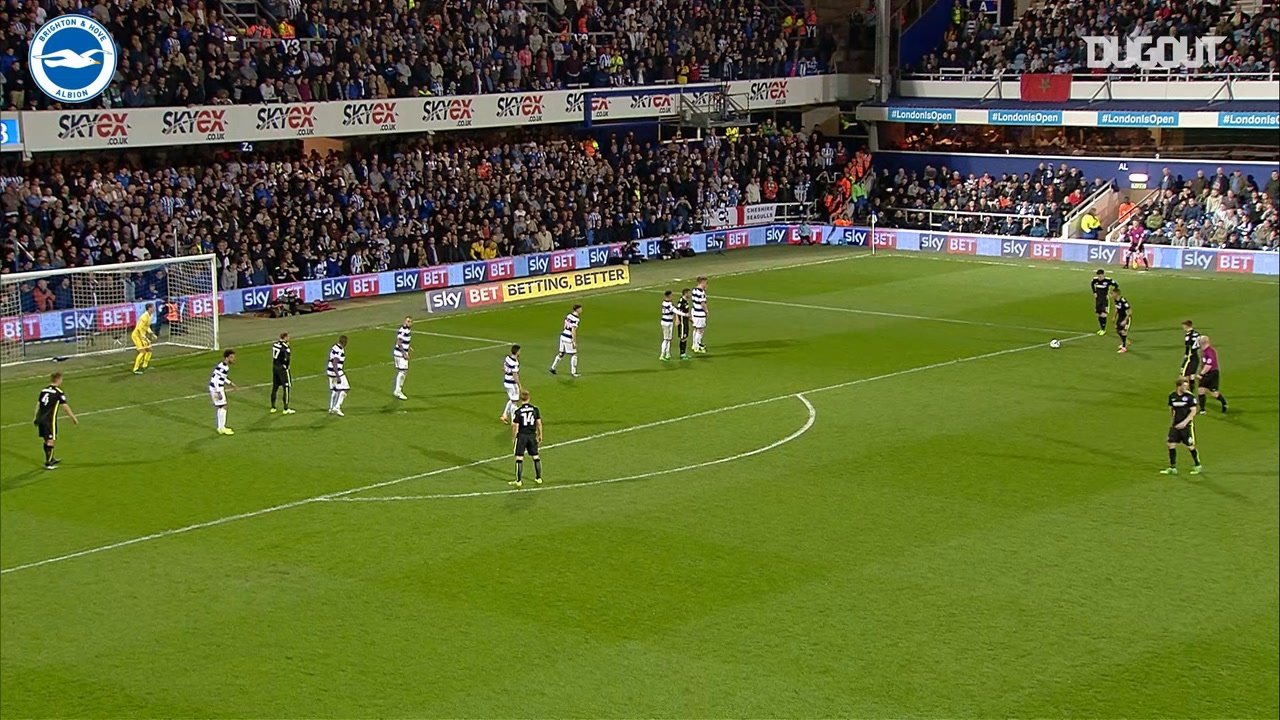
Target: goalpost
x,y
60,314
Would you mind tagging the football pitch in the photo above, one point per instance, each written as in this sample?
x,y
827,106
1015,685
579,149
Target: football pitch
x,y
880,494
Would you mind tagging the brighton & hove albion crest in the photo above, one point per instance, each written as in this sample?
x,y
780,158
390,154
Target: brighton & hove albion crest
x,y
72,58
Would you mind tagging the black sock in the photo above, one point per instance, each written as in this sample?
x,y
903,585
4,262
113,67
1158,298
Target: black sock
x,y
684,345
1195,456
1222,399
537,468
519,469
286,398
1201,403
274,388
1102,323
1173,457
48,454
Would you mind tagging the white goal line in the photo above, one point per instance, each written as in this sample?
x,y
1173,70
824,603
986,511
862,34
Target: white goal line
x,y
440,471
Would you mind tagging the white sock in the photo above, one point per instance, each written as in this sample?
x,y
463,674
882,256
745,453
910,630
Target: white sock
x,y
506,410
399,380
556,360
697,338
342,395
666,348
222,418
573,363
333,399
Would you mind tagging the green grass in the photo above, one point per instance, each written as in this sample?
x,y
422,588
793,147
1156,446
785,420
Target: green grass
x,y
971,526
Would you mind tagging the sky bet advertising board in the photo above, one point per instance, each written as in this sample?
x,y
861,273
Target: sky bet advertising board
x,y
504,279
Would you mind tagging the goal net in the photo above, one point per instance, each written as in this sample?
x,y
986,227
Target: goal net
x,y
60,314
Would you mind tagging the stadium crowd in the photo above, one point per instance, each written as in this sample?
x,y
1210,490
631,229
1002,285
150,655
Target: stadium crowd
x,y
1223,210
1033,204
1047,38
395,203
187,52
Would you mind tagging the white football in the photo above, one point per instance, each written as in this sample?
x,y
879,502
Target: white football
x,y
1055,343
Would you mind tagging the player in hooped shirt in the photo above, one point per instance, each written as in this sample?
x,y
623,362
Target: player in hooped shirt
x,y
669,313
569,341
1208,379
400,355
511,382
219,381
699,314
336,370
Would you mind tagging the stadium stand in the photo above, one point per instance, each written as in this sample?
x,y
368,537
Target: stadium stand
x,y
942,200
1046,38
1226,210
273,216
190,53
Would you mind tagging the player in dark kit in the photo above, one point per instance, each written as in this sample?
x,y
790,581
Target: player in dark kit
x,y
1136,253
51,401
1208,376
281,355
1124,316
1182,429
1190,351
684,311
526,431
1101,285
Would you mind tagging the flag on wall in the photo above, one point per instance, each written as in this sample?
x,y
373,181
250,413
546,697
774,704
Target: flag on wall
x,y
1045,87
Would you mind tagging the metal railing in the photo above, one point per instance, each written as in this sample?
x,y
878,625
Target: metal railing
x,y
935,217
1071,223
1213,75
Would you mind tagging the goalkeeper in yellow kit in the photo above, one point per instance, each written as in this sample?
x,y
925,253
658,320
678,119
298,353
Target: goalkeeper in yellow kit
x,y
142,336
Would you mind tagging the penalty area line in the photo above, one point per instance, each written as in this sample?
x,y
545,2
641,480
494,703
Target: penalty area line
x,y
588,438
813,416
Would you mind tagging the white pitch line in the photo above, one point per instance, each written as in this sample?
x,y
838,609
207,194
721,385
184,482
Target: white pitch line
x,y
813,416
883,313
495,341
396,481
165,401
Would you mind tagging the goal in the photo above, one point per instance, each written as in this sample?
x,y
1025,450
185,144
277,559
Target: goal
x,y
60,314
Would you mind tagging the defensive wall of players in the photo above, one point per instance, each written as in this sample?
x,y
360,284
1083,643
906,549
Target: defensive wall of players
x,y
491,281
80,129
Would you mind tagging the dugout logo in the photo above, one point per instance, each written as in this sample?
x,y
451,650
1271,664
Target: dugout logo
x,y
528,107
576,103
459,112
110,127
72,58
208,125
296,120
381,116
770,92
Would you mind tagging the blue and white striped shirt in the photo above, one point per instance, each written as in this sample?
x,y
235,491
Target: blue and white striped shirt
x,y
218,379
337,361
570,325
510,367
699,302
403,337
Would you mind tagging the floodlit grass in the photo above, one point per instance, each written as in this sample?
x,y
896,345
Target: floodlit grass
x,y
879,494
